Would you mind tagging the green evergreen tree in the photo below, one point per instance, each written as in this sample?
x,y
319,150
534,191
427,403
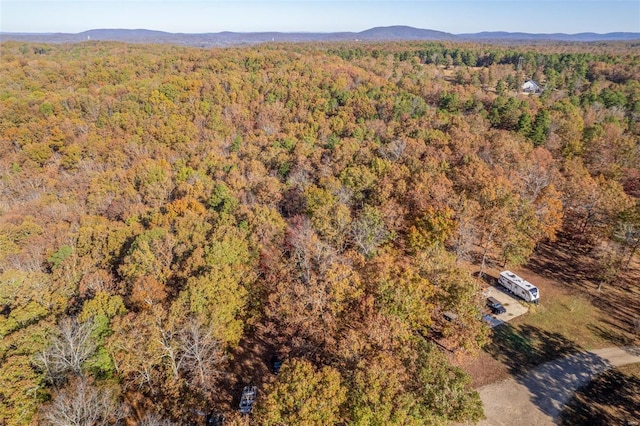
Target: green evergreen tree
x,y
540,129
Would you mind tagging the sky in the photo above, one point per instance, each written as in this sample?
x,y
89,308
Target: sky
x,y
199,16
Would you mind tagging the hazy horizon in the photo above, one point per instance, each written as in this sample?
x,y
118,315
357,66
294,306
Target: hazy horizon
x,y
203,16
303,32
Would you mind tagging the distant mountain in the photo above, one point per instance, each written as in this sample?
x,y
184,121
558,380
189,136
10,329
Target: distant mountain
x,y
125,35
400,32
226,38
507,36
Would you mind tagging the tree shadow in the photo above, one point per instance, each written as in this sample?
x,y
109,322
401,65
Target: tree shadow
x,y
609,334
248,366
547,364
568,261
613,398
488,279
621,307
552,384
524,347
560,261
552,368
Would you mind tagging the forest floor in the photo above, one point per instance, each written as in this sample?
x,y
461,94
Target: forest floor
x,y
251,362
573,317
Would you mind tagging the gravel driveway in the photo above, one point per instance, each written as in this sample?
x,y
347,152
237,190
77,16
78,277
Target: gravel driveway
x,y
514,306
537,397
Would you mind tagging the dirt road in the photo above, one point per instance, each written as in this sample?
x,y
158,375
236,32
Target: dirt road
x,y
536,398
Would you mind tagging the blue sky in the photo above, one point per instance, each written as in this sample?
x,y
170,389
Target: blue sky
x,y
195,16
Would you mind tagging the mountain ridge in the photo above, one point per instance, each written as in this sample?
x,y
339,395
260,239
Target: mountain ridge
x,y
388,33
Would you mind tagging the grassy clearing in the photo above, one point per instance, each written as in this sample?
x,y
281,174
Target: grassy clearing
x,y
572,317
565,322
631,370
562,324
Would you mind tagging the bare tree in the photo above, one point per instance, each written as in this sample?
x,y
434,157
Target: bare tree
x,y
191,351
169,349
298,237
201,354
69,349
393,150
368,231
609,263
466,235
82,404
154,420
628,233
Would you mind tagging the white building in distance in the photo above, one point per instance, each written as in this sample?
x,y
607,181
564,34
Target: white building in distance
x,y
531,86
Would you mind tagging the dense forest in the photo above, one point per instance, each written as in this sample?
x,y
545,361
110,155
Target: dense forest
x,y
171,217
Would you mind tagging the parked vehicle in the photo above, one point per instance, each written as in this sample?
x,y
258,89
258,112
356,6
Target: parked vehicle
x,y
495,306
450,316
519,286
247,399
215,419
275,363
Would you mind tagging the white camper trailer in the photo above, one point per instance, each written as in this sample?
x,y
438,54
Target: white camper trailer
x,y
519,286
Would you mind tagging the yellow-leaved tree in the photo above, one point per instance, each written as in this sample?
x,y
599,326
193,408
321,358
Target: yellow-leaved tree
x,y
302,395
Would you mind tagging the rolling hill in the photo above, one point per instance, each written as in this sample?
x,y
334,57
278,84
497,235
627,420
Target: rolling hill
x,y
391,33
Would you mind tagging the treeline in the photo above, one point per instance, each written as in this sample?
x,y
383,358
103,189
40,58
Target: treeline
x,y
161,206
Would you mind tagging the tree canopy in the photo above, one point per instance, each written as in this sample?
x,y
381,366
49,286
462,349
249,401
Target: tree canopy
x,y
160,205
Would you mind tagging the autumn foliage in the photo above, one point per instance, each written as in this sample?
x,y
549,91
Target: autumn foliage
x,y
160,206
